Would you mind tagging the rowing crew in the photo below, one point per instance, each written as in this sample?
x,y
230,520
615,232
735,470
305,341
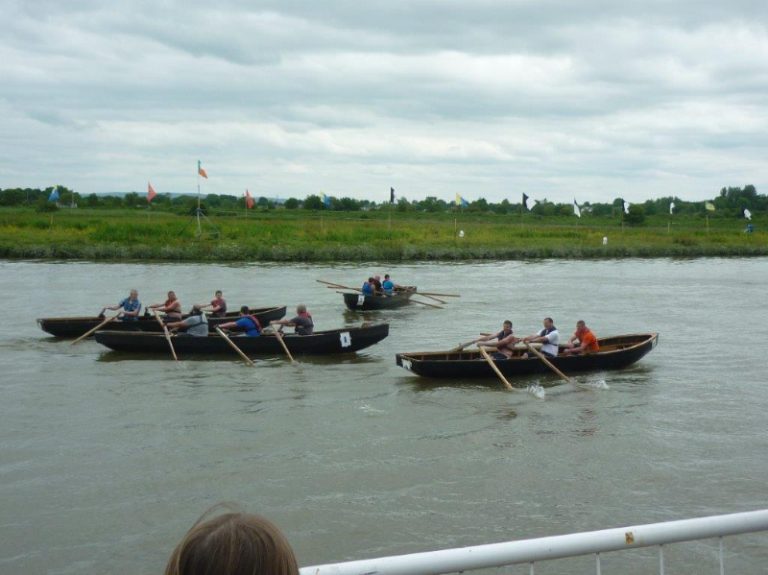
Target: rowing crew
x,y
131,307
248,325
197,322
375,286
549,338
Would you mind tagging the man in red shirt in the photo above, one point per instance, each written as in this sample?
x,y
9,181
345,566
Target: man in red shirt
x,y
218,305
585,337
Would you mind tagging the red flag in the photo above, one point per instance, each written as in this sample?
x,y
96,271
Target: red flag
x,y
201,171
248,200
151,193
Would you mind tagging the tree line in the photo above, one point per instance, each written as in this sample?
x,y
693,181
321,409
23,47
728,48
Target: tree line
x,y
731,201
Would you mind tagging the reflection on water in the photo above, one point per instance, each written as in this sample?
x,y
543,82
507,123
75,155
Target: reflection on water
x,y
107,458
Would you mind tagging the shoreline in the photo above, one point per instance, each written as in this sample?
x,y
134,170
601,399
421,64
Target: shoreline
x,y
330,254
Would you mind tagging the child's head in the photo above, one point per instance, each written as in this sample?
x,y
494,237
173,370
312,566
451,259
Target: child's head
x,y
233,544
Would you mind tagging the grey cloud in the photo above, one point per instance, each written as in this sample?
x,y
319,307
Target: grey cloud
x,y
488,94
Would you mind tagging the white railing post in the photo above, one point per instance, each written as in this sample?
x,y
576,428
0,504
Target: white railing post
x,y
661,560
598,570
722,559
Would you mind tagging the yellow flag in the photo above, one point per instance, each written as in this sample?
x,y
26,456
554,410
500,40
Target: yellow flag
x,y
709,206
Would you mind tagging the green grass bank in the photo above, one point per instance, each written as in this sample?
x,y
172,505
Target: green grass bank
x,y
308,236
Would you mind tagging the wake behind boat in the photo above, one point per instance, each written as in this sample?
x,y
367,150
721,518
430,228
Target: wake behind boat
x,y
615,353
67,327
328,342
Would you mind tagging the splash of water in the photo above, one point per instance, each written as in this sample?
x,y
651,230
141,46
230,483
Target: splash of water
x,y
537,391
597,384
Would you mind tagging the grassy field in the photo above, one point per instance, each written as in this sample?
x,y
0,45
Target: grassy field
x,y
282,235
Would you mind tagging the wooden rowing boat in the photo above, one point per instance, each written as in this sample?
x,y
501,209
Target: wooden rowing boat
x,y
615,353
360,302
67,327
333,341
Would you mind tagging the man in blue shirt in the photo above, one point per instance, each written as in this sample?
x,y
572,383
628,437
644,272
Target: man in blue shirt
x,y
131,307
247,323
388,285
368,288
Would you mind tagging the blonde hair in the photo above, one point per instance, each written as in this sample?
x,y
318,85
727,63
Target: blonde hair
x,y
233,543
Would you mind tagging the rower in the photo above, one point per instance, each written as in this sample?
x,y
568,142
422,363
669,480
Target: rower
x,y
587,340
377,284
505,341
549,337
303,323
368,287
131,307
218,305
195,325
171,308
248,323
388,285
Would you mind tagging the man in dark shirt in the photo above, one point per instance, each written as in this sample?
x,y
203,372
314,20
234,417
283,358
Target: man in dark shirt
x,y
302,323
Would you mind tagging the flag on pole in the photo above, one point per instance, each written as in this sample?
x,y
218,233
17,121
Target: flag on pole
x,y
248,200
151,193
747,214
201,171
326,201
626,207
671,208
54,197
525,201
710,207
576,209
391,195
461,201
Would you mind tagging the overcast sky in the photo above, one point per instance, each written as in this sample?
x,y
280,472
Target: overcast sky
x,y
591,99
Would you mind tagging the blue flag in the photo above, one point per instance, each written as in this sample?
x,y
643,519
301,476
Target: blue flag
x,y
326,201
54,197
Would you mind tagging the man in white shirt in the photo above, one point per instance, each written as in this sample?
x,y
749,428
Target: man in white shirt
x,y
549,338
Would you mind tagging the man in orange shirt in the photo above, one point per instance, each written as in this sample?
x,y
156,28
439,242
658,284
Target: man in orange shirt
x,y
585,337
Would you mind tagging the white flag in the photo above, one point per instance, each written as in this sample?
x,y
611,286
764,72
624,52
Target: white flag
x,y
671,208
747,214
576,210
626,207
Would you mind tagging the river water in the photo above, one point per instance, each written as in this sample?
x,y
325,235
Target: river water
x,y
105,459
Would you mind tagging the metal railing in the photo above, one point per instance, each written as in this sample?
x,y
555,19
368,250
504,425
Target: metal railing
x,y
530,551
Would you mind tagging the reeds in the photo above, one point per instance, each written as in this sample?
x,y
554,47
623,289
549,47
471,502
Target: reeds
x,y
284,236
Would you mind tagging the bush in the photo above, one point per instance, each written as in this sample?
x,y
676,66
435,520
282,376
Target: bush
x,y
44,206
636,215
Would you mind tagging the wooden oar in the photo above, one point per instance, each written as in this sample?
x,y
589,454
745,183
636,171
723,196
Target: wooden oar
x,y
233,346
279,336
90,331
167,335
425,303
497,370
336,286
461,346
440,294
546,362
433,298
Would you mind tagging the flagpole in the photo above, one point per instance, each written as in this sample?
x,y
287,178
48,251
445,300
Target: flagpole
x,y
199,228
